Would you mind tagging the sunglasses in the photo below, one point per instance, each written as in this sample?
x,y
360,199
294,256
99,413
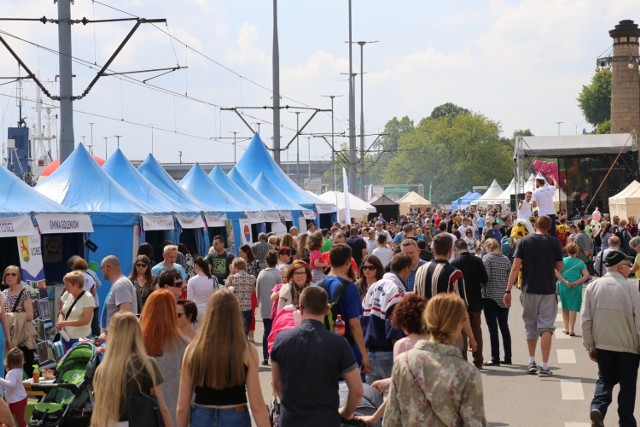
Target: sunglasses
x,y
368,267
141,265
176,284
10,274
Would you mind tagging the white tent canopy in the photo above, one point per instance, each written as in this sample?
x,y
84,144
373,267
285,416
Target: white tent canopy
x,y
505,196
579,145
627,202
412,200
358,208
490,197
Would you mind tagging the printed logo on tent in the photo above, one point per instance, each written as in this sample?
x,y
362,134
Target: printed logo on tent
x,y
247,232
24,248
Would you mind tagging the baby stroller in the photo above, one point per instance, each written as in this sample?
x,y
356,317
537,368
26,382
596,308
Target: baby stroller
x,y
369,404
69,400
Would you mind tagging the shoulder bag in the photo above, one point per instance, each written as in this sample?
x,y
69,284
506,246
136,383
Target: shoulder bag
x,y
144,410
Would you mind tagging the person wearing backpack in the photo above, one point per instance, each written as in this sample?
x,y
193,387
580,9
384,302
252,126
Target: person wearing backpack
x,y
344,299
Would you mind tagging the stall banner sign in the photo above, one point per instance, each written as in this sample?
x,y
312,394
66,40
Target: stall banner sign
x,y
157,222
31,262
17,226
64,223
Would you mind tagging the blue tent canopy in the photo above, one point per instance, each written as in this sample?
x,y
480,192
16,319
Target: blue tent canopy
x,y
218,176
256,159
152,170
244,185
80,183
201,186
264,185
119,168
17,198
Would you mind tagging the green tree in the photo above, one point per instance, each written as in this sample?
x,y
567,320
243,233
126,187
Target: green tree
x,y
387,147
595,99
448,110
452,154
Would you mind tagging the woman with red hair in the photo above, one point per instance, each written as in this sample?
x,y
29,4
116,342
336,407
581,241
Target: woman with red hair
x,y
163,342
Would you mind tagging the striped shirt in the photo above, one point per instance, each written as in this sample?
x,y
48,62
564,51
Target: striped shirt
x,y
438,276
498,267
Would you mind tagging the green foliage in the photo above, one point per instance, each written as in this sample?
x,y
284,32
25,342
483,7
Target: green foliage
x,y
453,154
448,110
387,146
604,127
595,99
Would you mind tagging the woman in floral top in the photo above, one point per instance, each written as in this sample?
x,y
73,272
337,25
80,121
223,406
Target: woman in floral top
x,y
431,385
244,285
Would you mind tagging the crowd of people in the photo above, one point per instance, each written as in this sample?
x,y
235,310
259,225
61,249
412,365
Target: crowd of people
x,y
397,306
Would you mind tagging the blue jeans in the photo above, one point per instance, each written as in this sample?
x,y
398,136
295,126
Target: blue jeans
x,y
202,416
246,318
381,365
616,367
265,337
496,316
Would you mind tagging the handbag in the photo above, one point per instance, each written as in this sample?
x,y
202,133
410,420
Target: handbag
x,y
274,412
56,338
144,410
29,340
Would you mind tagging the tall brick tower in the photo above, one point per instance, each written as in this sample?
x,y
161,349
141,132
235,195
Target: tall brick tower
x,y
625,82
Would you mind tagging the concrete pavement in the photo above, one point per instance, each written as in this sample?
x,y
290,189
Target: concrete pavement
x,y
514,398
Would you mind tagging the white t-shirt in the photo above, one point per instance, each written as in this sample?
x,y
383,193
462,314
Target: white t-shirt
x,y
12,383
384,254
544,197
453,252
90,283
76,312
525,211
199,289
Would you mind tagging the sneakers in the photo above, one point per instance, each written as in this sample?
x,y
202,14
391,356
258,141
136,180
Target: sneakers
x,y
545,372
532,369
596,418
265,362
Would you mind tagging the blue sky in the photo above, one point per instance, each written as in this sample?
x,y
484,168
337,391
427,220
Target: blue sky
x,y
521,63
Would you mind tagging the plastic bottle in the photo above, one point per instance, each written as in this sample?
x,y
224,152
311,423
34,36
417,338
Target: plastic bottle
x,y
339,326
36,374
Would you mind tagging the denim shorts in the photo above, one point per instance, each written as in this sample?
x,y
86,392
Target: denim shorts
x,y
381,365
203,416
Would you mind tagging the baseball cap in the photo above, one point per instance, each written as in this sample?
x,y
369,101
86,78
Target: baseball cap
x,y
615,257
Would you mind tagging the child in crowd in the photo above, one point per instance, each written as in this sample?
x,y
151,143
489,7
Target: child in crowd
x,y
15,393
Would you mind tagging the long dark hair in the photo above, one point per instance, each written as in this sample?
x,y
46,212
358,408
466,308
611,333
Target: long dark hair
x,y
247,250
147,273
204,266
375,261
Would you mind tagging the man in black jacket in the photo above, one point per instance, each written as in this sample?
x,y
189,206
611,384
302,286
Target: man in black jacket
x,y
474,274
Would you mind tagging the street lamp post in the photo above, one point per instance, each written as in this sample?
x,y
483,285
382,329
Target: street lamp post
x,y
106,147
352,115
91,150
297,113
558,123
118,138
362,43
235,148
333,142
309,147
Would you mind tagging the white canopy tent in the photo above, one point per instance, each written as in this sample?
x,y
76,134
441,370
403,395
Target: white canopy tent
x,y
505,197
358,208
581,145
412,200
627,202
490,197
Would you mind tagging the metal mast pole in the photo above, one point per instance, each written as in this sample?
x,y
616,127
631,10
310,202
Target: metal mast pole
x,y
275,61
66,79
361,43
352,115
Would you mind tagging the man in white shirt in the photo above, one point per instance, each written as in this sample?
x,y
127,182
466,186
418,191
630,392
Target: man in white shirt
x,y
542,199
525,210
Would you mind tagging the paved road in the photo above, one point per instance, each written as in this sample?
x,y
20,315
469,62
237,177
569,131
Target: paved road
x,y
513,398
